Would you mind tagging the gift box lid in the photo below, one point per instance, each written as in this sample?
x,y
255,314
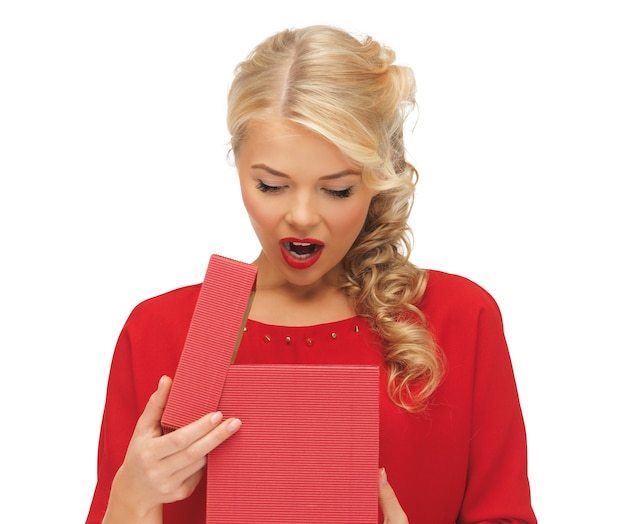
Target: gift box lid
x,y
212,341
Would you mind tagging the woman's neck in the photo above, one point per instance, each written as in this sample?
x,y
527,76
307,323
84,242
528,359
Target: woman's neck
x,y
274,306
280,302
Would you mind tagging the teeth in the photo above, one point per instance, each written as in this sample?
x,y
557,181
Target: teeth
x,y
302,249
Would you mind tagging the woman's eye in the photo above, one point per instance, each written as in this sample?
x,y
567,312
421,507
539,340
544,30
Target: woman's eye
x,y
340,193
265,188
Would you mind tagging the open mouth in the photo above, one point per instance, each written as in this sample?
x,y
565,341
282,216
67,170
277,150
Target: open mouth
x,y
302,250
301,253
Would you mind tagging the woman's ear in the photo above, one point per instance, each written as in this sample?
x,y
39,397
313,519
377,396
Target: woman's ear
x,y
231,155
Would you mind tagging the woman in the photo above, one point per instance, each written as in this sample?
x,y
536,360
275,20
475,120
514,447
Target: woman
x,y
316,118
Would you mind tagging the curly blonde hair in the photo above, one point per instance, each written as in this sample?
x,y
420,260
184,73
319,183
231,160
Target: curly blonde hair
x,y
348,89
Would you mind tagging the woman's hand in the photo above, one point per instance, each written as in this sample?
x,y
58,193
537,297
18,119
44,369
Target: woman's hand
x,y
389,505
162,468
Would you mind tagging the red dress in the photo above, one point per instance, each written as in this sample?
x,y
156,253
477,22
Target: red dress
x,y
463,460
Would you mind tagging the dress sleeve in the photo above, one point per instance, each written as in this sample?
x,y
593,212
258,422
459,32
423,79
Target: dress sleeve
x,y
497,488
118,422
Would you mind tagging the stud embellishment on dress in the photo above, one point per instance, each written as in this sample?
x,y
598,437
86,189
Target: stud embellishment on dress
x,y
356,329
288,340
309,342
267,338
333,335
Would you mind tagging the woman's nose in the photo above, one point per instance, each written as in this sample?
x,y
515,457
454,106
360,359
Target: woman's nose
x,y
302,213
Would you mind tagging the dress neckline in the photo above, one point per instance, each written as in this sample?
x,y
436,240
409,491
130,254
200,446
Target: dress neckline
x,y
295,337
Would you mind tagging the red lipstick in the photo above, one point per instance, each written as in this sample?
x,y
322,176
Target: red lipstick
x,y
301,253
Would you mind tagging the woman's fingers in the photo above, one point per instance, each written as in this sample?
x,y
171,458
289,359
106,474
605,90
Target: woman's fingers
x,y
191,443
389,505
195,439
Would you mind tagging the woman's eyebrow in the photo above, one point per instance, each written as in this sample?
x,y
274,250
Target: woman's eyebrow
x,y
269,170
340,174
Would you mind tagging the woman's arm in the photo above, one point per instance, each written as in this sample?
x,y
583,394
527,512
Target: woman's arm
x,y
497,487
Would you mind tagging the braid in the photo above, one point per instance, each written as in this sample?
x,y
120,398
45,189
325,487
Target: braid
x,y
386,289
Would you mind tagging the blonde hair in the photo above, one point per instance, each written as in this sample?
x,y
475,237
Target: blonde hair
x,y
348,90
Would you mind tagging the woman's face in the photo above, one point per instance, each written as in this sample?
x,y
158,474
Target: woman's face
x,y
306,201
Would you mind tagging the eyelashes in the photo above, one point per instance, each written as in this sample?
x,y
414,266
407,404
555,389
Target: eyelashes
x,y
343,193
261,186
335,193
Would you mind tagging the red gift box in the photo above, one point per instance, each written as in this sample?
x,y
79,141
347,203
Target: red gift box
x,y
307,451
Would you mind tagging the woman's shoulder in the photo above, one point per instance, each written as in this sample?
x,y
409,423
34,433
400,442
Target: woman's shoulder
x,y
172,307
454,292
460,313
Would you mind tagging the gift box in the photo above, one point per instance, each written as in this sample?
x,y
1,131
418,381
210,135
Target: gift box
x,y
307,451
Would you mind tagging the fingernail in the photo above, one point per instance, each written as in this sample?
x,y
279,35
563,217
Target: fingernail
x,y
216,417
383,476
234,425
161,381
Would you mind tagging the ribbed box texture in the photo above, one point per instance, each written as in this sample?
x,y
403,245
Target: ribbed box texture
x,y
307,451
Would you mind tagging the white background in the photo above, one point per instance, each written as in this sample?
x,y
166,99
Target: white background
x,y
115,187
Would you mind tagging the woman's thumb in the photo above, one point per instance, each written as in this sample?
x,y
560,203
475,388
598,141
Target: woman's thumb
x,y
389,504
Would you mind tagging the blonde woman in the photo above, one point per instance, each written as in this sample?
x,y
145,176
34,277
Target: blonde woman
x,y
316,117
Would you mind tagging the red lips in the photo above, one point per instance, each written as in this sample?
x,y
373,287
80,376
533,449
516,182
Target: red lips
x,y
301,253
